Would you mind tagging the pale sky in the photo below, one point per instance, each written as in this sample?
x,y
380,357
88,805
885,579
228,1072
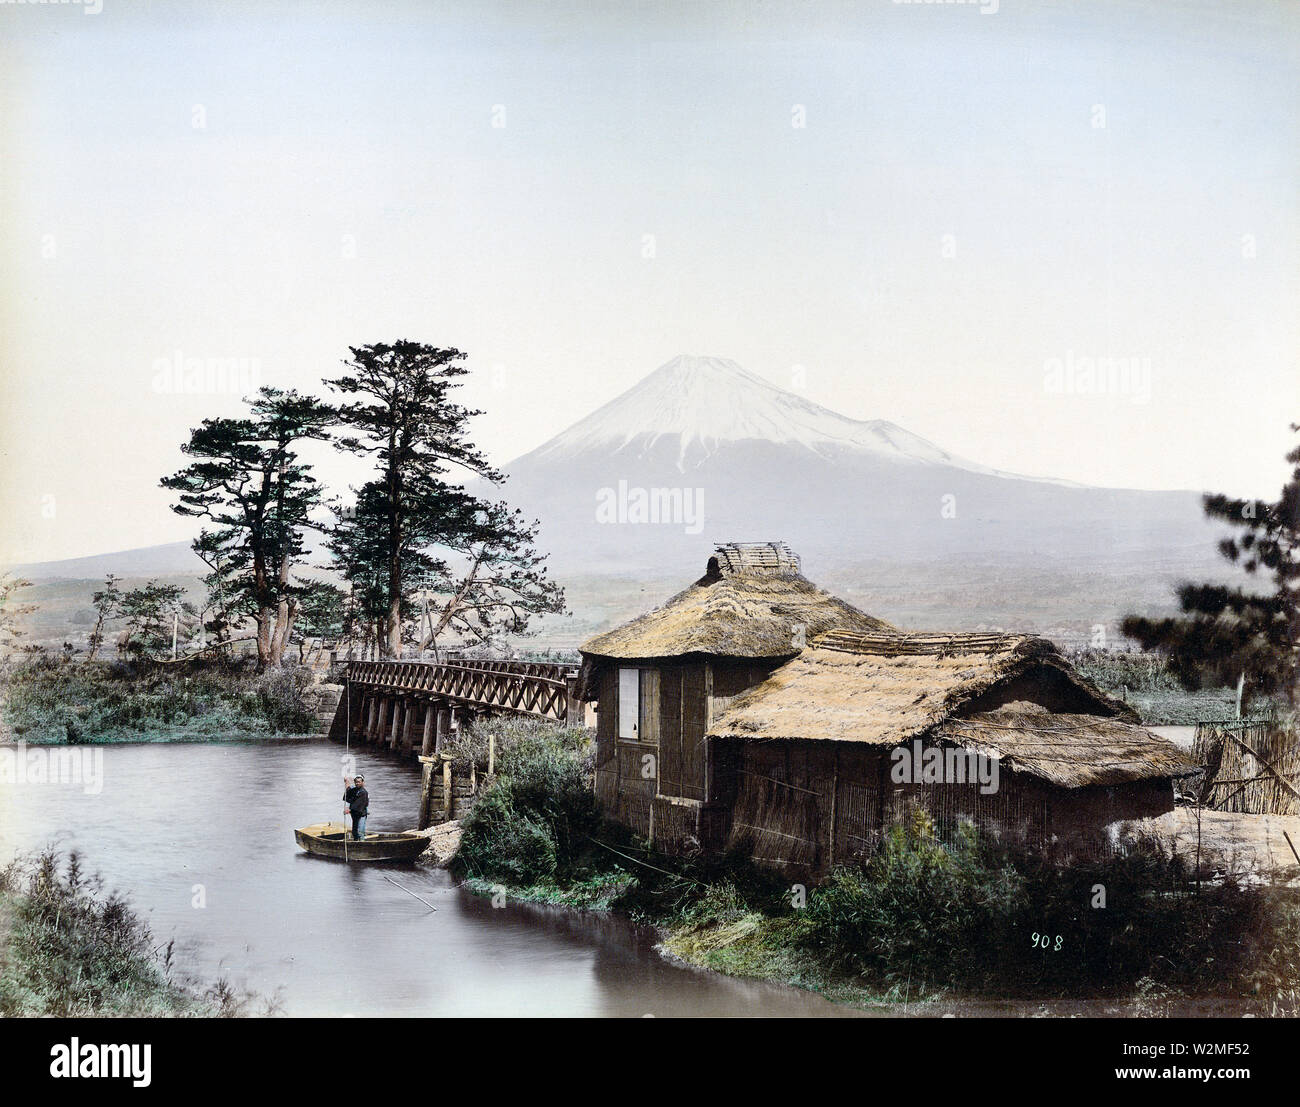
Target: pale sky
x,y
971,200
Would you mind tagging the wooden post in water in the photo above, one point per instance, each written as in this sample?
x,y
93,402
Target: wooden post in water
x,y
492,755
426,791
444,715
447,801
409,729
426,742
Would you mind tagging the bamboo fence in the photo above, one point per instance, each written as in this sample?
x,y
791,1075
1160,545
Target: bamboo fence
x,y
1251,767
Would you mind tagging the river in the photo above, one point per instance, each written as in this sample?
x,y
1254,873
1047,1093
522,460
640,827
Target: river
x,y
199,838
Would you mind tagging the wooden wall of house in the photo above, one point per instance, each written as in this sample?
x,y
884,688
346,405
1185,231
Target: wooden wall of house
x,y
1078,811
806,806
606,753
664,798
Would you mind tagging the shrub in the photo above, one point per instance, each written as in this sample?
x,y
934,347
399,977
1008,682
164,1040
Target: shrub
x,y
46,701
537,821
74,950
966,915
919,910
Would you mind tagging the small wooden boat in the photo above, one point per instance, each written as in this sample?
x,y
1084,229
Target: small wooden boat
x,y
326,840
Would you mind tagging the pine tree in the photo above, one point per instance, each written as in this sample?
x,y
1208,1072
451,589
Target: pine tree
x,y
470,567
500,581
320,614
404,417
248,480
221,615
151,612
1228,633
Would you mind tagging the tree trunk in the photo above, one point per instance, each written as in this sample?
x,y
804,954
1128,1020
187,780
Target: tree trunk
x,y
279,636
393,630
393,622
96,637
264,619
285,616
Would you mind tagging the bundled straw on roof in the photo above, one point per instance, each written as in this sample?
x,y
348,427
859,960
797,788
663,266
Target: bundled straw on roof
x,y
1067,750
882,690
751,602
745,558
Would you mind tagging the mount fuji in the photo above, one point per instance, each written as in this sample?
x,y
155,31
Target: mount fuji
x,y
698,406
703,451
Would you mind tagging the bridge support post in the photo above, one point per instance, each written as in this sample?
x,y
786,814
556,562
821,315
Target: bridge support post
x,y
408,729
427,765
426,740
399,709
444,719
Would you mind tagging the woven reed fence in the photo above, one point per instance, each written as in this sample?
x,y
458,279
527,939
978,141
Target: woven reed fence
x,y
1253,768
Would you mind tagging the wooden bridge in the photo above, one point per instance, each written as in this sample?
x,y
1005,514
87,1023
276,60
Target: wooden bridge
x,y
417,705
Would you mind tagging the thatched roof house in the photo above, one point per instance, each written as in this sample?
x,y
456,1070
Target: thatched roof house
x,y
720,727
662,678
751,602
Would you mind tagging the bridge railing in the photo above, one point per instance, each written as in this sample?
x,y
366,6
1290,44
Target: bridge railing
x,y
542,689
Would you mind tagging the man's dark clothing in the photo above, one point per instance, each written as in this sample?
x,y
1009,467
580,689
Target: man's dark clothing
x,y
358,801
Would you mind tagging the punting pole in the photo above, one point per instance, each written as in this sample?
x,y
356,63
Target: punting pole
x,y
408,891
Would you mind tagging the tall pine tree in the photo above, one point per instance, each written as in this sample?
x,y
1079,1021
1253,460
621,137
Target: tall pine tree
x,y
248,480
404,418
414,537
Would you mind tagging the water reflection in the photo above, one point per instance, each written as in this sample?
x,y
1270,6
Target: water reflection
x,y
200,837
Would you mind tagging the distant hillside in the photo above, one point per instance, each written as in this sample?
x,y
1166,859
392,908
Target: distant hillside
x,y
146,561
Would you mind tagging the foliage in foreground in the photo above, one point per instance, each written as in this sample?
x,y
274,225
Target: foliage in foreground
x,y
48,701
536,823
966,916
69,949
919,918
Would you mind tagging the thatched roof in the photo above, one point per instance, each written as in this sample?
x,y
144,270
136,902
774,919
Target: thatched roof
x,y
751,602
1068,750
884,689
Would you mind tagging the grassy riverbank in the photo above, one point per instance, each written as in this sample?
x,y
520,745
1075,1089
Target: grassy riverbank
x,y
920,922
68,948
49,700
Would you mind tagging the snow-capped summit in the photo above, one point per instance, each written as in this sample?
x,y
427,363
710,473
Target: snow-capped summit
x,y
728,456
695,405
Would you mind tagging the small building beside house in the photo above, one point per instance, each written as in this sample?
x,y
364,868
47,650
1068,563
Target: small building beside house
x,y
756,712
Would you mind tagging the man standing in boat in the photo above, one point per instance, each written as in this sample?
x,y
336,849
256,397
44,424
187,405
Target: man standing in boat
x,y
358,805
